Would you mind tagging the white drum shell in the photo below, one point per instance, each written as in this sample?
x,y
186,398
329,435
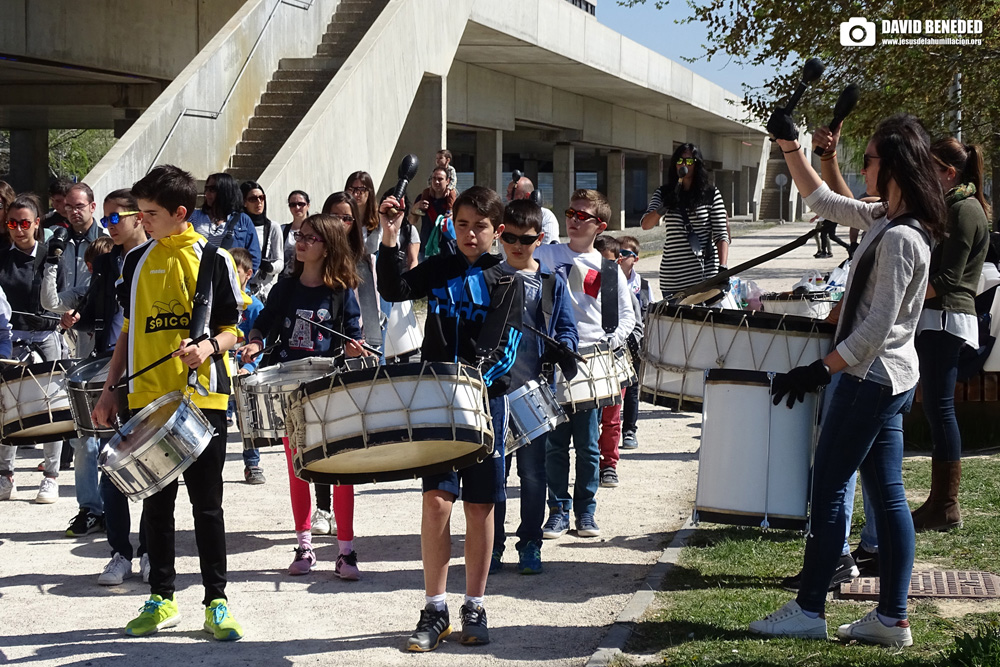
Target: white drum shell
x,y
595,385
625,368
532,412
35,403
402,333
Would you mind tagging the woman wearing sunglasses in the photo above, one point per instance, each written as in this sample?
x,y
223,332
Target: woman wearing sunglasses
x,y
21,268
272,251
696,243
224,202
298,206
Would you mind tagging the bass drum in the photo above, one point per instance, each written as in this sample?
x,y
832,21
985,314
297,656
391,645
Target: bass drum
x,y
35,402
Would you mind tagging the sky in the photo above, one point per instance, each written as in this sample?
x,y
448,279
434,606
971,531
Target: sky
x,y
655,29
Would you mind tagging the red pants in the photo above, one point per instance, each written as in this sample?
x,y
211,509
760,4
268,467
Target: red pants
x,y
343,502
611,434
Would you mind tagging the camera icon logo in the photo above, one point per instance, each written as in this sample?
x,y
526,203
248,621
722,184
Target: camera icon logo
x,y
857,32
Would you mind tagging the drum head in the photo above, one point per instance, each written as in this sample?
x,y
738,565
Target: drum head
x,y
95,370
145,427
287,376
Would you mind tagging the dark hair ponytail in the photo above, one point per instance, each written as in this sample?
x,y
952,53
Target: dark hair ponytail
x,y
967,162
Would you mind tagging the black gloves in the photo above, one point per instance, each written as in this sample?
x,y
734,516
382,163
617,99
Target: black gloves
x,y
57,244
799,381
562,357
266,268
781,126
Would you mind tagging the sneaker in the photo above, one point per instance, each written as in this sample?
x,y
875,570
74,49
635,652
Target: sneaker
x,y
629,441
155,615
144,568
8,490
219,622
557,525
432,627
253,475
474,630
116,571
846,571
609,478
867,561
322,523
529,559
789,621
304,561
586,526
85,523
48,491
496,561
870,629
347,567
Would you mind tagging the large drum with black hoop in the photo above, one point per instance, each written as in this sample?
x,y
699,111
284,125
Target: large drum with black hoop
x,y
35,402
755,457
387,423
85,384
596,383
682,342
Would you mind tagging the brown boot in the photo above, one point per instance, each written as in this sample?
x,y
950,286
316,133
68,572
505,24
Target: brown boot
x,y
941,511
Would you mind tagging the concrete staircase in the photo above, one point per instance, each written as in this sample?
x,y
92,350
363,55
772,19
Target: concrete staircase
x,y
296,85
770,206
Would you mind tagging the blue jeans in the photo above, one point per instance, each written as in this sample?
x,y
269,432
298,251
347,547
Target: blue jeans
x,y
863,429
938,352
251,457
88,490
118,521
582,427
531,471
869,538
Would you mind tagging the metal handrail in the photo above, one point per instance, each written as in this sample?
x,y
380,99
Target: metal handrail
x,y
304,5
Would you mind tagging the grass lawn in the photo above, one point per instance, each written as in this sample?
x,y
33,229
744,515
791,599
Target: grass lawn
x,y
728,577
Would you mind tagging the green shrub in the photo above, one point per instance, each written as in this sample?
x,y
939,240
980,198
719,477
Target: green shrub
x,y
983,650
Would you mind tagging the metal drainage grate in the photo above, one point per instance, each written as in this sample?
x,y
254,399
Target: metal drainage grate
x,y
931,584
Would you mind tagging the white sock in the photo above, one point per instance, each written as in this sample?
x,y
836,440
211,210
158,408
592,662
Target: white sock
x,y
440,602
810,614
887,621
475,601
346,546
305,539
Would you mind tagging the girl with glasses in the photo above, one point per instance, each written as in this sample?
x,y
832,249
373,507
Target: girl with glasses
x,y
360,186
298,206
272,251
696,239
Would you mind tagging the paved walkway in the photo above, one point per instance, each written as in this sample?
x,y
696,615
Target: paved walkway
x,y
52,612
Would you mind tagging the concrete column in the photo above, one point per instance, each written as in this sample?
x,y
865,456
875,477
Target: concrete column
x,y
563,181
616,190
746,190
723,181
424,133
489,160
654,174
29,161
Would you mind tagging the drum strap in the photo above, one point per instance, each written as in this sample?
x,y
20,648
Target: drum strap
x,y
609,295
203,290
548,298
863,272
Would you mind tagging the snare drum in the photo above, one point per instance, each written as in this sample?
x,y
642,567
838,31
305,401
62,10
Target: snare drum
x,y
262,398
85,384
755,457
393,422
160,442
532,411
35,402
625,368
402,334
682,342
596,383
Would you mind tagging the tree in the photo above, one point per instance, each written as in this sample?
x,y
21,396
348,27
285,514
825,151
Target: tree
x,y
916,79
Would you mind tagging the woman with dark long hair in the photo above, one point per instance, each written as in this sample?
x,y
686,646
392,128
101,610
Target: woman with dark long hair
x,y
360,186
949,323
298,206
875,350
224,201
272,250
696,243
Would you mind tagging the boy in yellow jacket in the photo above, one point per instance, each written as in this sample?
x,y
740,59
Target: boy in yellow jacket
x,y
156,291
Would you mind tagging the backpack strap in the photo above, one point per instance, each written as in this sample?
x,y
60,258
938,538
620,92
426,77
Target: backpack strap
x,y
609,295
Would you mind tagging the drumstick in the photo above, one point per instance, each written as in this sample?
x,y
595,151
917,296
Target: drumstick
x,y
337,333
260,352
44,317
552,341
161,360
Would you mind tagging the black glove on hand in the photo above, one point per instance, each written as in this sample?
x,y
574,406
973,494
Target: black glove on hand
x,y
57,244
798,382
266,268
560,356
781,125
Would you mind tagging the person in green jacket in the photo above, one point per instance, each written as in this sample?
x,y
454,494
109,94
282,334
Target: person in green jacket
x,y
948,322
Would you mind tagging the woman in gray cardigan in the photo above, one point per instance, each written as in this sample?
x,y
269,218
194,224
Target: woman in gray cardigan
x,y
864,426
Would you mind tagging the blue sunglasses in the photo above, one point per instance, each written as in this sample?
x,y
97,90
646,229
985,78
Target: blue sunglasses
x,y
116,217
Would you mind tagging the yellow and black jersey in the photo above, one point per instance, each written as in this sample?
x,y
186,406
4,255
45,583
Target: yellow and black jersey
x,y
156,291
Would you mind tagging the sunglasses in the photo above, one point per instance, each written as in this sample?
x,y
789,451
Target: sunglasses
x,y
14,224
523,239
297,204
256,198
689,161
869,158
582,216
627,253
307,239
116,217
346,219
357,192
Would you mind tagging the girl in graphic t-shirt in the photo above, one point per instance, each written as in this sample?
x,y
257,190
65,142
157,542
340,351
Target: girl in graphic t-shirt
x,y
321,290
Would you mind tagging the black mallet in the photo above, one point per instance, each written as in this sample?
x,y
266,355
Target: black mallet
x,y
845,105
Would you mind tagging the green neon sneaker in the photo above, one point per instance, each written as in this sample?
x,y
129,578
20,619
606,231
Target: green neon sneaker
x,y
219,622
155,615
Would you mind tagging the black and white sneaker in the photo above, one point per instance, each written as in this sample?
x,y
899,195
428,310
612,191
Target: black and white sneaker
x,y
431,629
474,630
846,571
867,561
85,523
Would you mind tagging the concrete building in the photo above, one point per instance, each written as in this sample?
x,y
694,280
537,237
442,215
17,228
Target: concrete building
x,y
299,93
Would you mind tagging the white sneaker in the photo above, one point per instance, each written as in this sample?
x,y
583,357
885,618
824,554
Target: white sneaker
x,y
8,490
789,621
323,523
116,571
144,568
871,629
48,491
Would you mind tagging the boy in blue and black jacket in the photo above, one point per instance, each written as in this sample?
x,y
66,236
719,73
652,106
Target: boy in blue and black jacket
x,y
473,316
